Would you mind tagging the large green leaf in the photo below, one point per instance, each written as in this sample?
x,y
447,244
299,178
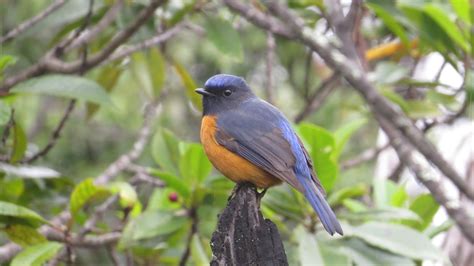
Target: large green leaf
x,y
28,171
321,147
398,239
67,86
85,192
36,255
10,210
194,165
165,150
189,85
24,235
224,37
151,224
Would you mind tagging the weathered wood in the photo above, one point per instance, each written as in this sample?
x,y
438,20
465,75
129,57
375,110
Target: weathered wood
x,y
243,236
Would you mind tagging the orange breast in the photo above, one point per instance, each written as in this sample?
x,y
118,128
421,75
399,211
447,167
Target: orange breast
x,y
230,164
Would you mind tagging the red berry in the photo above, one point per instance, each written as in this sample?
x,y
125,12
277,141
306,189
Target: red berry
x,y
173,197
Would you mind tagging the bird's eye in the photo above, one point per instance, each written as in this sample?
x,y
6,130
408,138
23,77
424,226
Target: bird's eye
x,y
227,93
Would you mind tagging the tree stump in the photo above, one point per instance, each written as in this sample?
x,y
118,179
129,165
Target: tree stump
x,y
243,236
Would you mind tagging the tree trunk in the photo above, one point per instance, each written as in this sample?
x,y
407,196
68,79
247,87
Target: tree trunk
x,y
243,236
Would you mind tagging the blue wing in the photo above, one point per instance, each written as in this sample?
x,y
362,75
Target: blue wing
x,y
258,132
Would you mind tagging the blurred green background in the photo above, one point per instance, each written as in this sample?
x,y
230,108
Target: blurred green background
x,y
384,224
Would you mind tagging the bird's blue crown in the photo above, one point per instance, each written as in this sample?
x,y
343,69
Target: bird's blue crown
x,y
224,81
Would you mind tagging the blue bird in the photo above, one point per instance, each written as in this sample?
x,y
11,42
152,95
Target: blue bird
x,y
249,140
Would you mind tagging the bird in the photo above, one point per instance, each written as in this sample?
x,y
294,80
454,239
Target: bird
x,y
249,140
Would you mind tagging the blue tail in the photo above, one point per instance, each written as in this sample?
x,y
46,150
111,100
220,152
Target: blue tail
x,y
325,213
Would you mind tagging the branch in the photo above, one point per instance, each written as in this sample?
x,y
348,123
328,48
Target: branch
x,y
430,180
126,159
269,61
50,63
89,35
162,37
365,156
353,73
32,21
194,229
54,136
318,98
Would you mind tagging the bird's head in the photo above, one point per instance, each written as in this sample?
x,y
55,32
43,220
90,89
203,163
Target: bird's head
x,y
223,92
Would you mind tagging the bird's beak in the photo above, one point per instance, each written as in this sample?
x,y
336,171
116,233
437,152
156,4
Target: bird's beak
x,y
203,92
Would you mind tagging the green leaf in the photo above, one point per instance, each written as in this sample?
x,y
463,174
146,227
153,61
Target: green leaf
x,y
5,113
194,165
149,70
10,210
321,147
426,207
363,254
36,255
153,224
390,22
385,214
354,205
433,231
172,181
86,192
308,248
165,150
284,201
398,239
189,85
127,194
333,256
20,143
198,254
422,109
67,86
24,235
28,171
343,134
107,78
337,197
438,15
462,7
224,37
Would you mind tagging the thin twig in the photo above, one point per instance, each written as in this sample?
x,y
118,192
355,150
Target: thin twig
x,y
22,27
318,98
365,156
54,136
194,228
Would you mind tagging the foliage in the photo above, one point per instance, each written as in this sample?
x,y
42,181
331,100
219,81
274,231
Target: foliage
x,y
384,224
